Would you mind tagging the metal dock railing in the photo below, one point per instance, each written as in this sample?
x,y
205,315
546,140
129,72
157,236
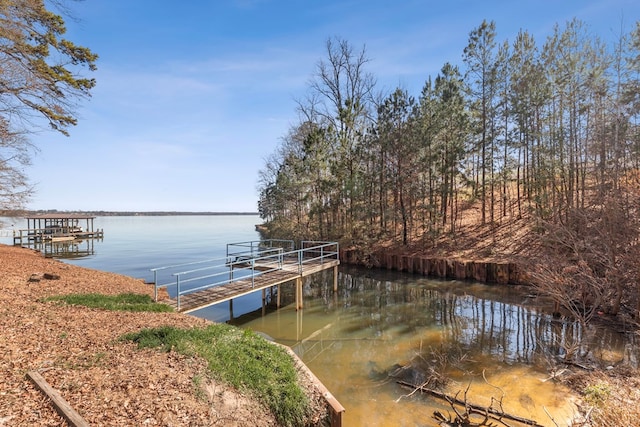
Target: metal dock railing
x,y
248,267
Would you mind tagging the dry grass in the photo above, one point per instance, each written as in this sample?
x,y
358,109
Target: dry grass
x,y
610,398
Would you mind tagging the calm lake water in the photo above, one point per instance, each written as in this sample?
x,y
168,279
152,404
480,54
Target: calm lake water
x,y
132,245
498,342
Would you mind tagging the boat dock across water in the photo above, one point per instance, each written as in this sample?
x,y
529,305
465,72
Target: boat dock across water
x,y
56,227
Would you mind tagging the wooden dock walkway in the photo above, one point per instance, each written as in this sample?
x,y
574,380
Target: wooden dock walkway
x,y
226,292
246,272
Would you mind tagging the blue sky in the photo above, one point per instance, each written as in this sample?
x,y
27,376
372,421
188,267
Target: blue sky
x,y
192,96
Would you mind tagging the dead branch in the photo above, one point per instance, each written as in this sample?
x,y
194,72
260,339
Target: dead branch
x,y
481,410
426,383
499,401
550,416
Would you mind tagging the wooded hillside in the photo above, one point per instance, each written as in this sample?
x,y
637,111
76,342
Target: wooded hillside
x,y
528,149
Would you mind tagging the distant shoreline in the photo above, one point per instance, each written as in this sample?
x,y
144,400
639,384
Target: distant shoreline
x,y
14,214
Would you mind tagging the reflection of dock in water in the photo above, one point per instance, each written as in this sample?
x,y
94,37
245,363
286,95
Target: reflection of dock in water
x,y
59,235
76,248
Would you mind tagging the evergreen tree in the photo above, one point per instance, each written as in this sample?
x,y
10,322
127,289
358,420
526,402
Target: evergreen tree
x,y
479,58
40,78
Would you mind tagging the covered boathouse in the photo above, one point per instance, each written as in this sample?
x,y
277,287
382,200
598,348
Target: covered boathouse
x,y
56,227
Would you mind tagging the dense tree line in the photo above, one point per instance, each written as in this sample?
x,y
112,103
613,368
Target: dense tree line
x,y
523,127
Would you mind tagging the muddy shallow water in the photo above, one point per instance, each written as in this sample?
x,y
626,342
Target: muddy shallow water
x,y
492,342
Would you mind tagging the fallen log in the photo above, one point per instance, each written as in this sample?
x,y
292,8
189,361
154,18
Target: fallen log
x,y
61,406
476,408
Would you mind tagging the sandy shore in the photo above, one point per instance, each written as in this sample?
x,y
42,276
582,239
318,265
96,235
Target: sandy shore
x,y
109,383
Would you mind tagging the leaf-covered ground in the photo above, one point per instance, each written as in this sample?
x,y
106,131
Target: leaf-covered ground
x,y
108,382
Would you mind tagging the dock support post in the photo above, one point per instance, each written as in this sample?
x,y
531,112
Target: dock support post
x,y
230,309
264,301
335,279
299,293
278,298
299,325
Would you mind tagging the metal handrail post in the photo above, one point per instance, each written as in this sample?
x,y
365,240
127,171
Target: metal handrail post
x,y
155,285
178,291
322,254
300,261
253,273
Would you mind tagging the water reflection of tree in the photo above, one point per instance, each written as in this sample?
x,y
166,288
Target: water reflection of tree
x,y
494,327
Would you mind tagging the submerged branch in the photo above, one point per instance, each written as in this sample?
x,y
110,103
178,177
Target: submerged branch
x,y
476,408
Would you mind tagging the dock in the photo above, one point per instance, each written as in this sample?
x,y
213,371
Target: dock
x,y
248,267
55,228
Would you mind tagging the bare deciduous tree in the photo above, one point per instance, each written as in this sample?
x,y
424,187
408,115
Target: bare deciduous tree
x,y
594,257
15,153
